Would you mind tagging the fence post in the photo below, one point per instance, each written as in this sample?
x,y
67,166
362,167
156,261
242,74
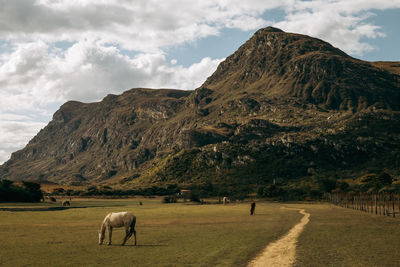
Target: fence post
x,y
376,211
387,204
398,197
384,204
380,203
364,203
357,203
393,205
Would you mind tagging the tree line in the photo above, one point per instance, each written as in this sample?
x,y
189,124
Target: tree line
x,y
26,192
312,188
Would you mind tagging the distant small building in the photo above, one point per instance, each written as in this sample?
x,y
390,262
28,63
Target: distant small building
x,y
185,194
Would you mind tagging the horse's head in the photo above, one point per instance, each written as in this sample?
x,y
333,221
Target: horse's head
x,y
101,238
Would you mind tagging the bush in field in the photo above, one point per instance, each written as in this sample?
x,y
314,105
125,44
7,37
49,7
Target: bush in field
x,y
28,192
342,186
170,199
34,194
58,191
272,191
194,196
375,182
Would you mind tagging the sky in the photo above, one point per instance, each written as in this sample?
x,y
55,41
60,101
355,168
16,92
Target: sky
x,y
53,51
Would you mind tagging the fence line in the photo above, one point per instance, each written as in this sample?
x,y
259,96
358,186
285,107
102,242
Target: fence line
x,y
384,204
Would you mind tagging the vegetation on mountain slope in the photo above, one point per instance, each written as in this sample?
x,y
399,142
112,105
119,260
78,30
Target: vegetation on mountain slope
x,y
284,107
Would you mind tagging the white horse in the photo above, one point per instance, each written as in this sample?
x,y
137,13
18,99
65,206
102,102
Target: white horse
x,y
118,219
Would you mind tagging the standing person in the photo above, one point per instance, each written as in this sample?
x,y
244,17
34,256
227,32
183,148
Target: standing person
x,y
253,207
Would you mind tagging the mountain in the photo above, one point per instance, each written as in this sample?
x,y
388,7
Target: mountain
x,y
292,65
283,107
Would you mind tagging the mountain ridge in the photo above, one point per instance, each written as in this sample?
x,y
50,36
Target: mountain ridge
x,y
288,64
291,108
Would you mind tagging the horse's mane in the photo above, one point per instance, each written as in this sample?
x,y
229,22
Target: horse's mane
x,y
104,225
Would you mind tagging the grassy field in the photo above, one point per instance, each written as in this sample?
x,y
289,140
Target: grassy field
x,y
344,237
168,234
194,235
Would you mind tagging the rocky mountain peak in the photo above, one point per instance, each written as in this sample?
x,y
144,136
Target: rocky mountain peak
x,y
281,64
268,29
276,108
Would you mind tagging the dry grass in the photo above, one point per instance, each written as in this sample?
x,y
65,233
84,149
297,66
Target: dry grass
x,y
344,237
168,234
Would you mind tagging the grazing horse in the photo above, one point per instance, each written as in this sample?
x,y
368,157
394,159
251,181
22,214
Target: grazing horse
x,y
66,203
118,219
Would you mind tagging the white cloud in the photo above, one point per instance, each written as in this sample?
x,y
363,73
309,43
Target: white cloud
x,y
134,25
38,74
148,26
114,45
15,131
340,22
35,78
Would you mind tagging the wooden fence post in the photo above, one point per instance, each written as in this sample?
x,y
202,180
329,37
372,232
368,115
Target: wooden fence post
x,y
380,204
393,206
398,197
357,203
386,205
383,204
365,203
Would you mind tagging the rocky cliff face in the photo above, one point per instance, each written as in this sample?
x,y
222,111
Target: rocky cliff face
x,y
283,106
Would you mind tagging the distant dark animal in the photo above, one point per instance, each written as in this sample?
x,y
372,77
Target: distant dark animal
x,y
140,203
66,203
252,208
118,219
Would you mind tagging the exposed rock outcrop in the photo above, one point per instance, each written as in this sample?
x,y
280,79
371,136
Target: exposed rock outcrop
x,y
282,106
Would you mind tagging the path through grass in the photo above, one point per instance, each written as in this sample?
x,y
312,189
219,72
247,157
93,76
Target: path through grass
x,y
168,234
337,236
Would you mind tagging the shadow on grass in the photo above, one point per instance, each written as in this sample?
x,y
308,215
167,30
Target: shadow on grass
x,y
138,245
54,208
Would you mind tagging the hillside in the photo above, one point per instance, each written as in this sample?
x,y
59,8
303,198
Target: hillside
x,y
284,106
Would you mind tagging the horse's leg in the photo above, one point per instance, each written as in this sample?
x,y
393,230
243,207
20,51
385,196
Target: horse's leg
x,y
129,234
109,235
134,232
126,236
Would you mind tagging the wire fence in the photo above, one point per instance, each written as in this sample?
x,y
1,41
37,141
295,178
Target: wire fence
x,y
384,204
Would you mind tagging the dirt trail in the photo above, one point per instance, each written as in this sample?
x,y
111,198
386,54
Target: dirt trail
x,y
283,251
